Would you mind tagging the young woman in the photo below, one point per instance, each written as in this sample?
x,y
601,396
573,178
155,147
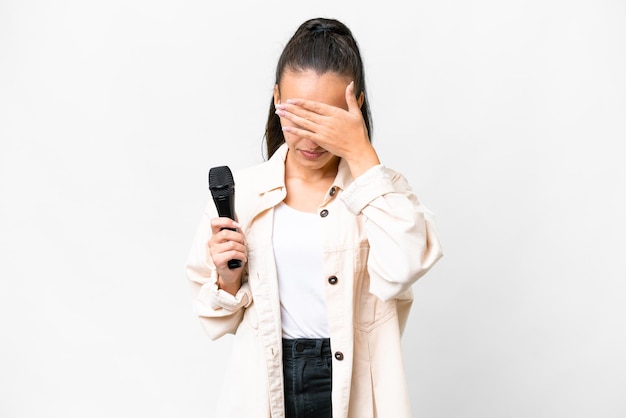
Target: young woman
x,y
331,241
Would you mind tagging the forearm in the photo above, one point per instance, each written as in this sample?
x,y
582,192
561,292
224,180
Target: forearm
x,y
220,308
402,237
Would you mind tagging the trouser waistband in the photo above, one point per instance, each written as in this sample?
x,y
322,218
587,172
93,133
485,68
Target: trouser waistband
x,y
310,347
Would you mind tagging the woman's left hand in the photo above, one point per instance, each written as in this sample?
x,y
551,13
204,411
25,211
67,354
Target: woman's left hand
x,y
339,131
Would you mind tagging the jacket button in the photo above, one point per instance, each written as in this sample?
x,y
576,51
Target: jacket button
x,y
324,213
339,355
333,280
333,191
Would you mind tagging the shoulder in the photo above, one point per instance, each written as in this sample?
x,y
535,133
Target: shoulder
x,y
263,176
255,176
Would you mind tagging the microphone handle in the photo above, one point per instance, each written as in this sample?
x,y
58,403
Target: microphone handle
x,y
234,264
226,207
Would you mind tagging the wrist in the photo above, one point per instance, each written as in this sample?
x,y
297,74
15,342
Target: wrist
x,y
230,287
362,162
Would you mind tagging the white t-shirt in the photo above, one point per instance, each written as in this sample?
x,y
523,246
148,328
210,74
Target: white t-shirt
x,y
301,284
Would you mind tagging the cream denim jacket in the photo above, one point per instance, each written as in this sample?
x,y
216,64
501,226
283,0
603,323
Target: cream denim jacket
x,y
377,241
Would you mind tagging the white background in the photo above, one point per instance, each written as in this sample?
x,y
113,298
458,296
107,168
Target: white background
x,y
507,117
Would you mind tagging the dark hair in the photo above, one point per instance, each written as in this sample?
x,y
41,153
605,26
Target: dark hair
x,y
322,45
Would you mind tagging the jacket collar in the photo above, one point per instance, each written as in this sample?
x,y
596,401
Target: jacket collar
x,y
272,173
344,177
272,176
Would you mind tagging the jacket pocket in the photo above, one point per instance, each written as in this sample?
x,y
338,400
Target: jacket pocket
x,y
369,310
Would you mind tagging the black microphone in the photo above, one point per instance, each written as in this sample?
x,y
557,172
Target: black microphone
x,y
222,188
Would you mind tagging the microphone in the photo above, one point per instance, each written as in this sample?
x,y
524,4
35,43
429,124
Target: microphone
x,y
222,188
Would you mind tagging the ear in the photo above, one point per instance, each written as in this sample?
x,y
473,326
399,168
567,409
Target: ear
x,y
361,99
276,95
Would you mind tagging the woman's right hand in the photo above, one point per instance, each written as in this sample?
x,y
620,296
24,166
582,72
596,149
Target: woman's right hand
x,y
225,245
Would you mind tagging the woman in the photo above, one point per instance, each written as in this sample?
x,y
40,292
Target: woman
x,y
331,241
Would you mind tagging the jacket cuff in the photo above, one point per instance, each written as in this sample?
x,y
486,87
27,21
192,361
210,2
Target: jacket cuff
x,y
374,183
220,299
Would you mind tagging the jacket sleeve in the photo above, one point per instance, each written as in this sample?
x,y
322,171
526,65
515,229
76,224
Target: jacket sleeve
x,y
403,240
219,311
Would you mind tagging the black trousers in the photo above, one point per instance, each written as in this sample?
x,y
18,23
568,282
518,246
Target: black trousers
x,y
307,370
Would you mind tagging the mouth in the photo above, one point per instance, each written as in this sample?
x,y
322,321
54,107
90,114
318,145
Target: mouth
x,y
312,154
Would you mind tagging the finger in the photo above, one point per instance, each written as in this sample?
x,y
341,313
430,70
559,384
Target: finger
x,y
217,224
225,241
226,236
302,133
298,123
297,119
310,106
298,115
353,105
221,261
229,251
230,247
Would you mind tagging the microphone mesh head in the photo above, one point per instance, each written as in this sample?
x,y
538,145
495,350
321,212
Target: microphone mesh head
x,y
221,182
